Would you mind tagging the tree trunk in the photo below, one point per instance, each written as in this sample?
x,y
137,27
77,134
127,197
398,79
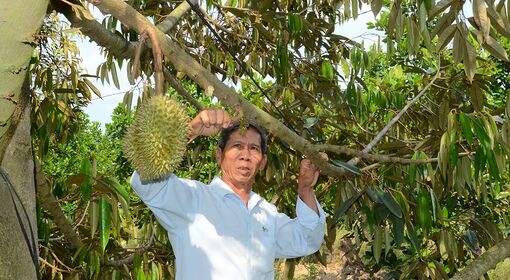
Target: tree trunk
x,y
20,20
15,259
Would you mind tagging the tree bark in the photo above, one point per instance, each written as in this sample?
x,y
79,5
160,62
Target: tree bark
x,y
15,259
485,262
17,26
20,20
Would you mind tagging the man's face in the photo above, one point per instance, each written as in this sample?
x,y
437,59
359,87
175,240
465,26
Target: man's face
x,y
241,158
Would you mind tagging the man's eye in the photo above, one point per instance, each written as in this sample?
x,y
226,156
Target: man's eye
x,y
255,148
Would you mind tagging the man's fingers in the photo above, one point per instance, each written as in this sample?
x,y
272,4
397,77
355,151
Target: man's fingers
x,y
205,118
324,156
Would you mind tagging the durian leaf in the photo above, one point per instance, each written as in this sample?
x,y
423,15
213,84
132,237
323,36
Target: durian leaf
x,y
104,222
93,217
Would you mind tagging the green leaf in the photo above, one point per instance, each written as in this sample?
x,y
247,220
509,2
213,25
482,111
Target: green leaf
x,y
493,166
381,213
443,153
376,6
377,243
115,77
104,222
349,167
327,70
295,23
479,161
342,209
433,202
453,156
413,237
93,217
397,229
445,36
481,134
423,210
391,204
413,168
465,122
154,271
439,7
92,87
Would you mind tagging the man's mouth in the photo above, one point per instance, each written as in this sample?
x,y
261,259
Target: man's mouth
x,y
244,169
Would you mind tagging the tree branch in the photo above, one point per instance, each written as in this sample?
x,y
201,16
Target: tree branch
x,y
185,63
485,262
166,25
181,90
378,158
379,136
130,258
50,204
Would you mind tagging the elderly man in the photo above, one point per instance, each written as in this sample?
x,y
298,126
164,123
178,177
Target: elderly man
x,y
224,230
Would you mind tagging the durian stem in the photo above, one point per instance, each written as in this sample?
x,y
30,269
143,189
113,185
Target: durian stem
x,y
181,90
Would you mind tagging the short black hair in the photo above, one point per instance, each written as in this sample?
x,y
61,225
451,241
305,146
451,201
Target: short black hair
x,y
226,132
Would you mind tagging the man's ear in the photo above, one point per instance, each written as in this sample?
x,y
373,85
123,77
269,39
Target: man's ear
x,y
263,163
218,153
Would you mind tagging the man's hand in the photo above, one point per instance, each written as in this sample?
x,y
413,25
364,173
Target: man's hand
x,y
209,122
308,175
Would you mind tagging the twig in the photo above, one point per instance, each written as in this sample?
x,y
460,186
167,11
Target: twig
x,y
400,114
131,257
83,216
52,266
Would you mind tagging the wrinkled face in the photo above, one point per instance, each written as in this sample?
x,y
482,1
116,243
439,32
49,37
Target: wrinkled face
x,y
241,158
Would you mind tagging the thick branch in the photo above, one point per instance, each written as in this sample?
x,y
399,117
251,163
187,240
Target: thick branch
x,y
166,25
185,63
80,17
50,204
485,262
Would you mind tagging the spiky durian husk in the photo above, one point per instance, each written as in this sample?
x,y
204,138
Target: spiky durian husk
x,y
156,141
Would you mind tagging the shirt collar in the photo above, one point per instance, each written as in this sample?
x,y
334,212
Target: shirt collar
x,y
221,188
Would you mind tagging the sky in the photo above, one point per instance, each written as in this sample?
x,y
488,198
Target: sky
x,y
101,109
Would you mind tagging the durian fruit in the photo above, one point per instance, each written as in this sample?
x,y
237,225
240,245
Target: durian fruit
x,y
156,141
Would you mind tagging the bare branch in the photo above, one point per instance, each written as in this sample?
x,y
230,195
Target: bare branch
x,y
378,158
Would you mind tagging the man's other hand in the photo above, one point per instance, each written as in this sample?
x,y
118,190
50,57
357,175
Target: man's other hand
x,y
309,173
209,122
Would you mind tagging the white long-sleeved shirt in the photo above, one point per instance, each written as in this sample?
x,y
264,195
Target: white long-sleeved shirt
x,y
214,235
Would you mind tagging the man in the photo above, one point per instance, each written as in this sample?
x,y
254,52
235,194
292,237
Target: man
x,y
224,230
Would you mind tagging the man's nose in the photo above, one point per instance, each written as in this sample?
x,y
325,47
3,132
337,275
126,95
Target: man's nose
x,y
245,154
